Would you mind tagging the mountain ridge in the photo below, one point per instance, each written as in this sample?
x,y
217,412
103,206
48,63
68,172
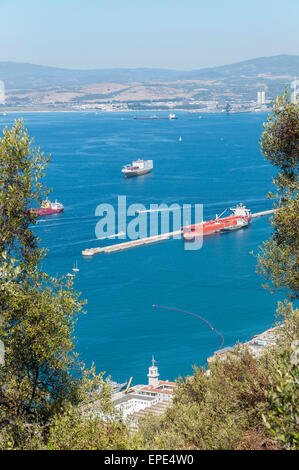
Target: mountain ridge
x,y
28,76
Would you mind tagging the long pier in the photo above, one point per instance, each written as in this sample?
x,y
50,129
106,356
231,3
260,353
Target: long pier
x,y
259,214
132,244
146,241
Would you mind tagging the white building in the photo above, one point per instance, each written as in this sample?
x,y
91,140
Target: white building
x,y
261,97
294,92
2,92
141,396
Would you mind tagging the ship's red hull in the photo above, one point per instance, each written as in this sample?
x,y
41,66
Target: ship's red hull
x,y
40,211
213,226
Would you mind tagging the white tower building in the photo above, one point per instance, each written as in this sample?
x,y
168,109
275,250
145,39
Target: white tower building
x,y
294,92
2,92
153,374
261,97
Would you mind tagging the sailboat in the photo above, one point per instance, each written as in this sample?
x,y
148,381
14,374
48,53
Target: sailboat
x,y
75,268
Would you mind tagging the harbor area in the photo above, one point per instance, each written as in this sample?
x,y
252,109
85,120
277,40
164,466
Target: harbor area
x,y
140,401
256,345
136,402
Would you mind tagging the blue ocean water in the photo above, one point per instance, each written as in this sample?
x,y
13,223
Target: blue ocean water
x,y
218,163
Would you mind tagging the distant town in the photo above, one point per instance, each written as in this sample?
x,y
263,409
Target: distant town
x,y
261,104
248,86
37,101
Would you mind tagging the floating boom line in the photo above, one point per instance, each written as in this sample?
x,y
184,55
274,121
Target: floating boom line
x,y
194,315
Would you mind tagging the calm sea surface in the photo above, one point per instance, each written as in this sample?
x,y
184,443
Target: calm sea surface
x,y
218,164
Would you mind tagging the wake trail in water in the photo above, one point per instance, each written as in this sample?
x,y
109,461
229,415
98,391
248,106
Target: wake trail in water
x,y
68,244
115,235
168,209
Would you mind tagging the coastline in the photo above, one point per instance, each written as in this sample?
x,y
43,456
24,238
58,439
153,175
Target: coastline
x,y
127,111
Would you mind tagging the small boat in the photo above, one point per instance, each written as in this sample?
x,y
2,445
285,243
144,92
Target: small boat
x,y
117,387
115,235
75,268
70,275
180,139
137,168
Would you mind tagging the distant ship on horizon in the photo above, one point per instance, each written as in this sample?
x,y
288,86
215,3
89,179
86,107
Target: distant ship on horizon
x,y
170,116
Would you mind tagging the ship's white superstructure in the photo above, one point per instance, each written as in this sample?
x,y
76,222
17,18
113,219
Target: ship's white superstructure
x,y
241,211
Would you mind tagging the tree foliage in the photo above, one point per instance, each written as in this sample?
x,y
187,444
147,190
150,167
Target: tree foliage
x,y
282,419
22,167
278,260
42,376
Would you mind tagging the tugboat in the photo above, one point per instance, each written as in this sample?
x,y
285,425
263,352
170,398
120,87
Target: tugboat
x,y
48,208
239,218
137,168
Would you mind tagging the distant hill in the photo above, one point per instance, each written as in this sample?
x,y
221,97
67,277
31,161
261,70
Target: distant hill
x,y
275,66
30,76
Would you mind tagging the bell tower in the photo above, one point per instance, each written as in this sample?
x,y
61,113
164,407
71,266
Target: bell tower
x,y
153,374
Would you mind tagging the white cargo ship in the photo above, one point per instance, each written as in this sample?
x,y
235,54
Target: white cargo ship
x,y
137,168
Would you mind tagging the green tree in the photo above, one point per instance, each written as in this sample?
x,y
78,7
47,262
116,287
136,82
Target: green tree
x,y
79,430
37,312
22,167
42,376
282,417
278,260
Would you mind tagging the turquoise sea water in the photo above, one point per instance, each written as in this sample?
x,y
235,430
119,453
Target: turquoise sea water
x,y
218,164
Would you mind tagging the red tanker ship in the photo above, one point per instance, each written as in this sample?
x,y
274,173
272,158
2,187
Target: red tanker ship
x,y
239,218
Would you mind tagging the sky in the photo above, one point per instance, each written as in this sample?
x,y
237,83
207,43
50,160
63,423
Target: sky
x,y
176,34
